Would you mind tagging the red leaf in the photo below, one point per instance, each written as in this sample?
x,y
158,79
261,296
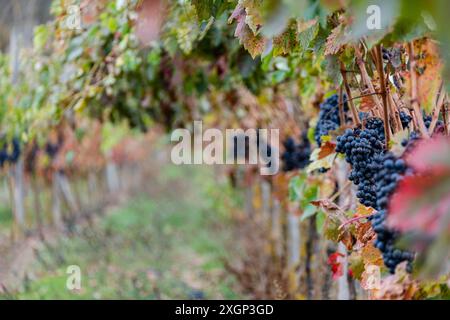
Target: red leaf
x,y
430,154
422,202
334,261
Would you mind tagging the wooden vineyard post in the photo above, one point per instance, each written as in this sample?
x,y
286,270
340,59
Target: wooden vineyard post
x,y
16,180
37,202
66,191
56,202
276,228
74,185
343,284
249,201
294,241
112,177
265,188
311,243
92,188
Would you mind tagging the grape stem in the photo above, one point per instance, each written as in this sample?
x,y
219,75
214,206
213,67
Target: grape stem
x,y
349,96
341,106
379,63
351,220
444,116
440,99
414,94
366,80
344,187
394,112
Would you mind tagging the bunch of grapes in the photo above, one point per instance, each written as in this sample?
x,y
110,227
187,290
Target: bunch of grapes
x,y
415,135
439,128
296,156
405,119
52,149
328,117
10,152
360,148
391,171
376,173
427,119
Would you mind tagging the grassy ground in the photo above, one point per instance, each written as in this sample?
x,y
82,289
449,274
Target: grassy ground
x,y
167,243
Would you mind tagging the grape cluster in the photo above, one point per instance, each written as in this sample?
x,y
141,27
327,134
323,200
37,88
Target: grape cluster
x,y
296,156
376,173
328,117
427,119
439,124
415,135
10,152
360,148
391,170
52,149
405,119
385,242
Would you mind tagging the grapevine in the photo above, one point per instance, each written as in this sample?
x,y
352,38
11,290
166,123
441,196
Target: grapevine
x,y
360,116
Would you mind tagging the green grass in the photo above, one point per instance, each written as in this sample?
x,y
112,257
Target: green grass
x,y
169,245
5,216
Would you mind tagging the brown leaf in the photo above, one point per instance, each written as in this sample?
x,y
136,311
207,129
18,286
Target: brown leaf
x,y
367,104
326,149
335,40
362,210
347,239
429,68
399,286
253,43
371,256
330,209
364,234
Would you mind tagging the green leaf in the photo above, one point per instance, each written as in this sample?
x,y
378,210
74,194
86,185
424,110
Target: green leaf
x,y
203,8
308,212
305,37
296,186
333,70
40,37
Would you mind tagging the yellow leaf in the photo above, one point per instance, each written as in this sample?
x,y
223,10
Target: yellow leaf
x,y
80,105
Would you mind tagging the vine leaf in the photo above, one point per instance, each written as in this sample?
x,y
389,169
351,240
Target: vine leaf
x,y
203,8
326,149
336,40
371,256
367,104
308,32
253,43
421,205
317,162
430,68
422,201
399,286
335,262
